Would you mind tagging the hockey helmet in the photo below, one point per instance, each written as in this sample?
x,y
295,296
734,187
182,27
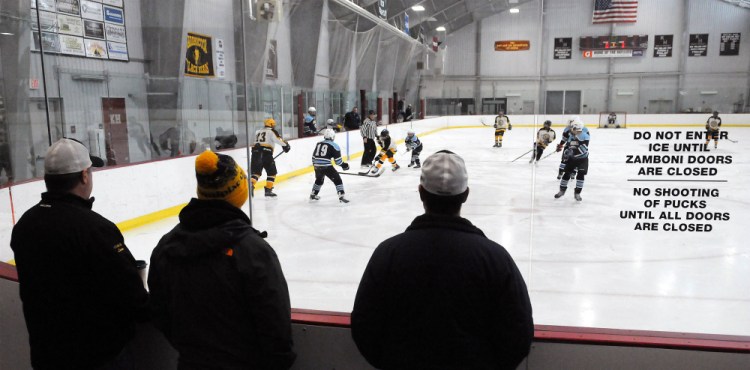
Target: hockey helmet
x,y
547,123
384,133
410,133
329,134
573,120
329,122
311,110
576,127
269,122
716,113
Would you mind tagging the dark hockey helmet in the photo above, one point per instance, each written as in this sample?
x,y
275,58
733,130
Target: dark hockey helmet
x,y
716,113
384,133
547,123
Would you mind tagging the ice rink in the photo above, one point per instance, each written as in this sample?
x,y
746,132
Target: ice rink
x,y
584,265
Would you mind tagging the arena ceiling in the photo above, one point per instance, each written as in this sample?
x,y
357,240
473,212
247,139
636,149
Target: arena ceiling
x,y
451,14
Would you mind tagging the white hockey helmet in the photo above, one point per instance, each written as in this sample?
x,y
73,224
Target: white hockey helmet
x,y
329,134
311,110
329,122
573,120
576,127
410,133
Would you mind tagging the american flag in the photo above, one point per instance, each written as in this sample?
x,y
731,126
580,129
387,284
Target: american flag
x,y
615,11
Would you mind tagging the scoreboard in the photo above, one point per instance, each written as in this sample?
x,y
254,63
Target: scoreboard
x,y
613,46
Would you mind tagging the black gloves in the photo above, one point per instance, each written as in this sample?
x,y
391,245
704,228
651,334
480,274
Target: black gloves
x,y
345,166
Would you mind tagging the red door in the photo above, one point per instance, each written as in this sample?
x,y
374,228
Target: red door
x,y
115,131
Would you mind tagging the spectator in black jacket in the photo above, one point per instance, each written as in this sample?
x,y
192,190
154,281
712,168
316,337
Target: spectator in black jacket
x,y
218,292
352,119
79,284
441,295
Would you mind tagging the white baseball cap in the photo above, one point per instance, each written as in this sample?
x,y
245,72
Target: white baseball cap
x,y
444,173
69,156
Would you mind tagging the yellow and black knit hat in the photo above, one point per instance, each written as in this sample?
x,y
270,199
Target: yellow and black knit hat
x,y
219,177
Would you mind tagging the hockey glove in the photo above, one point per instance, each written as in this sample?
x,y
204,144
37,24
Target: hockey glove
x,y
287,148
345,166
559,147
510,127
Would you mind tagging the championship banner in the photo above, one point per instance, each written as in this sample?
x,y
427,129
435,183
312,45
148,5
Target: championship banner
x,y
383,9
563,48
730,44
663,46
199,58
698,46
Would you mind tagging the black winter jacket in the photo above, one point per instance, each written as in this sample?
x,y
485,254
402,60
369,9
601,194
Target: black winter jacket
x,y
79,284
442,296
218,292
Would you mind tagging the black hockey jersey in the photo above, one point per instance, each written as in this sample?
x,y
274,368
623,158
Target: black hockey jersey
x,y
324,152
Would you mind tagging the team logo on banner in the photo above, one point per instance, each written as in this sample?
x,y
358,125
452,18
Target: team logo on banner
x,y
199,59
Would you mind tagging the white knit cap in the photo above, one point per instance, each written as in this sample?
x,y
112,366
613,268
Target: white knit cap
x,y
444,173
69,156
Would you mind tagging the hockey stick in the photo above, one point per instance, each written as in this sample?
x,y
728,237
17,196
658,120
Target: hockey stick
x,y
279,155
520,156
482,121
734,141
365,174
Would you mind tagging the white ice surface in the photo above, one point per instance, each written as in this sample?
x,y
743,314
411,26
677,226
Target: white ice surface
x,y
583,264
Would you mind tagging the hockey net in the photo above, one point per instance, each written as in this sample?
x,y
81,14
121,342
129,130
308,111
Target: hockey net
x,y
613,120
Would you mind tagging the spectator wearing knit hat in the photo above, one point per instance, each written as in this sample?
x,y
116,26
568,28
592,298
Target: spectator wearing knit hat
x,y
79,284
441,295
218,292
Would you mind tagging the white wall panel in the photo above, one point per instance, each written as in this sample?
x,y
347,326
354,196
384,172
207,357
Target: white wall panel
x,y
715,18
460,58
507,26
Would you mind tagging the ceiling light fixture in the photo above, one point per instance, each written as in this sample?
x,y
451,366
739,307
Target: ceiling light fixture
x,y
440,29
6,34
417,8
514,10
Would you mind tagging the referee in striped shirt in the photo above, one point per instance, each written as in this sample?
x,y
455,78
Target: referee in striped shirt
x,y
368,132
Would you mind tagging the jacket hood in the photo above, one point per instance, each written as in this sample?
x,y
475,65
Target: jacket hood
x,y
206,227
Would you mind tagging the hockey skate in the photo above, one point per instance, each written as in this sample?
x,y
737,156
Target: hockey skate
x,y
560,193
417,165
342,199
270,193
578,196
395,167
375,170
411,164
314,197
495,146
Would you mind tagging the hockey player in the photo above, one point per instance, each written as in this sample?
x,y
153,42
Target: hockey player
x,y
612,120
564,142
577,153
414,145
713,125
262,154
502,122
324,152
331,124
387,150
311,122
544,137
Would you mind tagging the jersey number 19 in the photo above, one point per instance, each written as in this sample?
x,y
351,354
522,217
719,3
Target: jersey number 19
x,y
320,150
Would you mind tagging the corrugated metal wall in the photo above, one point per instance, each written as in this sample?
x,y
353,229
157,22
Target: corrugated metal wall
x,y
640,80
